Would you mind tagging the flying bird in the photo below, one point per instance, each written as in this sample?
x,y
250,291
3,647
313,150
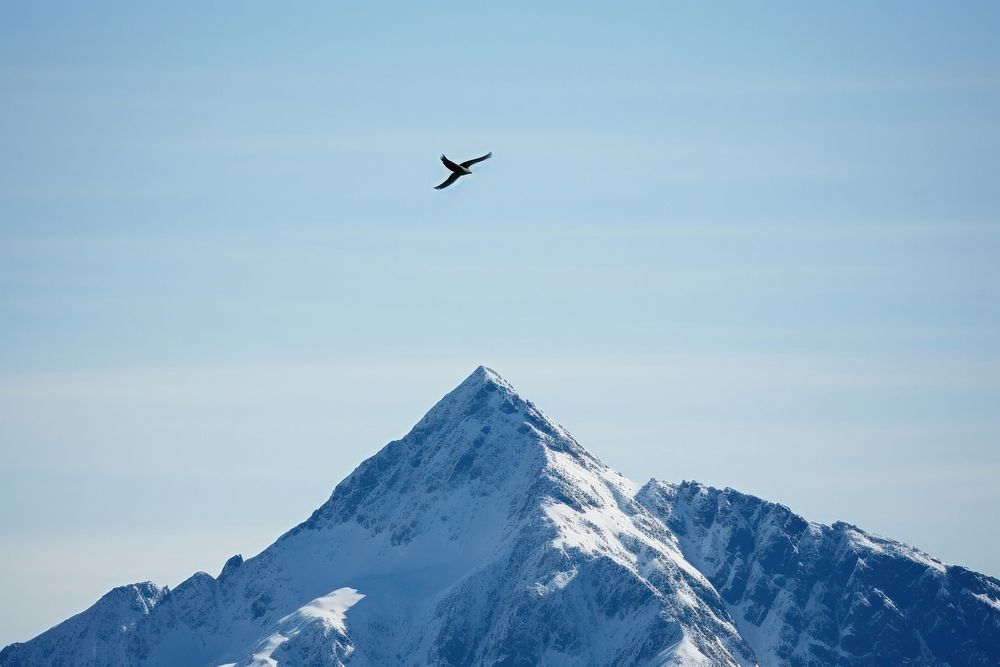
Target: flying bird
x,y
459,170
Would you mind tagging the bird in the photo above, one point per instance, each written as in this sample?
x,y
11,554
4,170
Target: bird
x,y
460,169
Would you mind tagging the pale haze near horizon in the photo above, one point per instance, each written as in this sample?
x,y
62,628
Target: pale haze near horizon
x,y
757,247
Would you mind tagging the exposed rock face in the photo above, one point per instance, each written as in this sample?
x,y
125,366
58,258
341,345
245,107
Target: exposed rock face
x,y
808,594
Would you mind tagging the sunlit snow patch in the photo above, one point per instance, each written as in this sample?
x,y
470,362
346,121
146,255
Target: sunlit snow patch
x,y
684,653
329,612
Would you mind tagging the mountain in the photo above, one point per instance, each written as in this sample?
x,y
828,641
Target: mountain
x,y
802,593
489,536
88,635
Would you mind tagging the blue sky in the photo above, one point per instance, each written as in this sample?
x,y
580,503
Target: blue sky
x,y
754,245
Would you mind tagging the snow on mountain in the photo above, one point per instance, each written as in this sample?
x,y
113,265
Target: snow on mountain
x,y
489,536
807,594
317,629
99,631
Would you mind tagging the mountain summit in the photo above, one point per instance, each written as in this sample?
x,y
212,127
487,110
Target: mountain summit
x,y
488,536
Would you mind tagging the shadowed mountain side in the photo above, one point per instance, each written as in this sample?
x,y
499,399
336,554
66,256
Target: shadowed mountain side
x,y
808,594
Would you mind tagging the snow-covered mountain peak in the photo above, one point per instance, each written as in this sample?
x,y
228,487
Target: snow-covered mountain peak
x,y
484,375
91,632
501,508
481,439
486,399
488,536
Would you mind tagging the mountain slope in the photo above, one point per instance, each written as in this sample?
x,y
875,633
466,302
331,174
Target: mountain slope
x,y
83,640
807,594
489,536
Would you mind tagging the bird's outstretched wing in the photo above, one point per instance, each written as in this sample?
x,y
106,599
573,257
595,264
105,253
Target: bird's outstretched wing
x,y
448,181
451,165
469,163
